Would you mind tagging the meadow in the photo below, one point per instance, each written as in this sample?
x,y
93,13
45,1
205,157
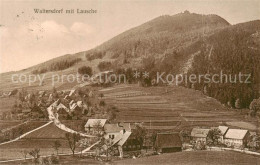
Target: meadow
x,y
197,158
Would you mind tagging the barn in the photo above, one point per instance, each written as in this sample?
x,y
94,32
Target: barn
x,y
168,142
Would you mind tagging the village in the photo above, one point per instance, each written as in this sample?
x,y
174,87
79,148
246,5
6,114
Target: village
x,y
95,127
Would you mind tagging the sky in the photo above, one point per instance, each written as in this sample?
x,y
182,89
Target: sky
x,y
28,38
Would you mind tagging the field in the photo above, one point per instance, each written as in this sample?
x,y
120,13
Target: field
x,y
42,139
8,124
6,104
197,158
171,108
13,150
48,132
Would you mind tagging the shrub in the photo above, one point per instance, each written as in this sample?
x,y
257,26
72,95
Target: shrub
x,y
104,65
102,103
85,70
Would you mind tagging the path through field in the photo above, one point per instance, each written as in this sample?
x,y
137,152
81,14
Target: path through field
x,y
56,121
27,133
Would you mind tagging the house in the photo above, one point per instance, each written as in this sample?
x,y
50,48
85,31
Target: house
x,y
41,93
168,142
129,143
61,108
223,130
50,97
112,130
95,125
75,110
236,137
72,92
199,134
67,97
123,143
80,104
91,94
27,97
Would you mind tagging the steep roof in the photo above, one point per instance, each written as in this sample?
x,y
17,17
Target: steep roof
x,y
236,134
110,128
168,140
120,139
92,122
199,132
223,129
124,138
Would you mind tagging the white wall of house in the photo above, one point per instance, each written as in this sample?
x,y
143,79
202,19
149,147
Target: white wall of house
x,y
111,134
202,139
233,142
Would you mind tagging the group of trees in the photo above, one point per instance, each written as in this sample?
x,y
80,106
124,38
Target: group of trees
x,y
104,65
95,55
37,159
229,52
56,66
85,70
254,107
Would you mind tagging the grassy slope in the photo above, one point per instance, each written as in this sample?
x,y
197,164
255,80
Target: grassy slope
x,y
42,139
165,32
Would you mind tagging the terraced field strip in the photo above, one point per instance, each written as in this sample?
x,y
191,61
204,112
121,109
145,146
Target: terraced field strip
x,y
150,97
129,112
211,120
148,117
241,124
114,89
142,102
146,106
126,94
8,124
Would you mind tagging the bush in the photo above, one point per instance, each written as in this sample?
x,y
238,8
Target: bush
x,y
104,65
102,103
85,70
56,66
39,71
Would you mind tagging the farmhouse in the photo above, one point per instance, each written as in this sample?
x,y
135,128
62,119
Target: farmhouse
x,y
124,142
112,130
199,134
72,92
93,124
236,137
168,142
67,97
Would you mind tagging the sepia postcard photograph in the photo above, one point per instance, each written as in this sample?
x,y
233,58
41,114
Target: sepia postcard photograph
x,y
125,82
